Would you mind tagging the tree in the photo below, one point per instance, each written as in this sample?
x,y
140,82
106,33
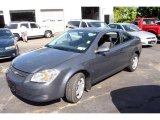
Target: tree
x,y
149,12
124,14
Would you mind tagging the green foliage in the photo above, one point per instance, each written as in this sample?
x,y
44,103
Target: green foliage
x,y
149,12
124,14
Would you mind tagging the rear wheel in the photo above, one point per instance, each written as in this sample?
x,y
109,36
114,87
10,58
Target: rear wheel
x,y
75,88
48,34
133,63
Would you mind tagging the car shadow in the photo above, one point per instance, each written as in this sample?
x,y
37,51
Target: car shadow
x,y
38,103
6,60
147,46
137,99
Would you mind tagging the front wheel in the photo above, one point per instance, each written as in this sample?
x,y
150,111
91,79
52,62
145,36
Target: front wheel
x,y
133,63
75,88
16,36
17,52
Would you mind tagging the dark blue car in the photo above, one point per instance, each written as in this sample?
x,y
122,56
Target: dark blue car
x,y
72,63
8,46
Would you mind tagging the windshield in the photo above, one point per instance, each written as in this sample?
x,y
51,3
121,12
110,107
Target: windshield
x,y
74,41
131,28
13,26
5,33
97,24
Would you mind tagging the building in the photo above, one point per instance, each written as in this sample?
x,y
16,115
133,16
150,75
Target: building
x,y
56,13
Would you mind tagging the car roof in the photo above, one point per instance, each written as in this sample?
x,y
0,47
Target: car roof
x,y
96,29
86,20
21,22
122,23
4,29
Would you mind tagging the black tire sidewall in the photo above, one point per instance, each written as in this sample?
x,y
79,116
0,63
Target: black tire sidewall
x,y
46,32
17,37
72,86
17,50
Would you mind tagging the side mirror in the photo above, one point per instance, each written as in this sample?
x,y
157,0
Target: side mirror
x,y
102,50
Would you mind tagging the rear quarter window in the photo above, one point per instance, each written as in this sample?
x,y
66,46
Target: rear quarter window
x,y
74,23
24,24
148,21
13,26
112,26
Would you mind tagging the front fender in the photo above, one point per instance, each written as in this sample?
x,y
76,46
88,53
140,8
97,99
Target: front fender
x,y
68,75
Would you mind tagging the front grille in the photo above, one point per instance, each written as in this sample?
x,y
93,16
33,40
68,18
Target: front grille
x,y
151,42
19,73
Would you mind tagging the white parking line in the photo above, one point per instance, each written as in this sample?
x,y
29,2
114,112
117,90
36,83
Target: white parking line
x,y
3,69
4,105
81,101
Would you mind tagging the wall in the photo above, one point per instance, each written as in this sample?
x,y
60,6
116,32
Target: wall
x,y
72,8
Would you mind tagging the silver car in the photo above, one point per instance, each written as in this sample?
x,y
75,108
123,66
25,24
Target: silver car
x,y
147,38
85,23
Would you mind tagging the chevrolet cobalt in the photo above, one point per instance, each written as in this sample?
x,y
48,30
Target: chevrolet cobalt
x,y
72,63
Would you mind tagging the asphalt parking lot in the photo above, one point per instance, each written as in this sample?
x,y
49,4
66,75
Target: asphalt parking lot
x,y
124,92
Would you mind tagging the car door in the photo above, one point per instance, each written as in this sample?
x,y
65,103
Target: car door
x,y
109,62
36,30
128,46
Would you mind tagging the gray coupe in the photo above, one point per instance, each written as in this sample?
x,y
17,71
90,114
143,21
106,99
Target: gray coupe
x,y
72,63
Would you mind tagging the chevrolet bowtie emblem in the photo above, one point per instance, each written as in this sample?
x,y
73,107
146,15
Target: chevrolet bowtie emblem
x,y
15,72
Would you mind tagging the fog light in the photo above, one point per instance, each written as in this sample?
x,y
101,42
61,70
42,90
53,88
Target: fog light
x,y
143,43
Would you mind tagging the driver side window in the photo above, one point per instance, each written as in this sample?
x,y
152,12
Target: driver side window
x,y
109,40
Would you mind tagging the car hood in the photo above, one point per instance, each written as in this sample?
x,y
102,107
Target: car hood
x,y
142,34
40,59
6,41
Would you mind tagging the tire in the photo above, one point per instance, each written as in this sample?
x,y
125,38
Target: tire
x,y
133,63
16,36
48,34
17,51
75,88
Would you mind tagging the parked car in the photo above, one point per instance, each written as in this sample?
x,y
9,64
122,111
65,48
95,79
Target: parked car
x,y
85,23
147,38
148,24
8,46
73,62
33,30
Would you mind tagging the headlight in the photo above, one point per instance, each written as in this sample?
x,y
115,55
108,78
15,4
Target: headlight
x,y
45,75
10,47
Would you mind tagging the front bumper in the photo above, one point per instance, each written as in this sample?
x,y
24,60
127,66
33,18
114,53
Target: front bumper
x,y
149,42
20,85
8,53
